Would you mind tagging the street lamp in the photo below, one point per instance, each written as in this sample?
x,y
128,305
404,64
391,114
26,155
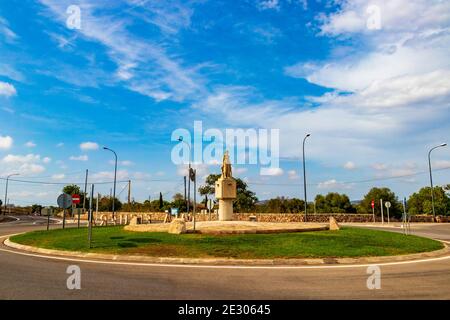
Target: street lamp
x,y
115,177
6,190
304,175
431,176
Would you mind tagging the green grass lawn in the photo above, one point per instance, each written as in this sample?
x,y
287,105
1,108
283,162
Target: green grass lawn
x,y
347,242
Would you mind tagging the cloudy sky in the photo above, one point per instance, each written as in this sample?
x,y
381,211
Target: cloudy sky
x,y
370,80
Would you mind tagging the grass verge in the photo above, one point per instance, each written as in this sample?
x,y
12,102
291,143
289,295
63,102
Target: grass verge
x,y
347,242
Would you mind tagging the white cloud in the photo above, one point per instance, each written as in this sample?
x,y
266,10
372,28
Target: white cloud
x,y
202,170
441,164
292,175
46,160
273,171
269,4
6,142
333,184
349,165
109,175
7,89
79,158
86,146
30,144
142,65
59,145
23,164
125,163
58,176
379,166
9,35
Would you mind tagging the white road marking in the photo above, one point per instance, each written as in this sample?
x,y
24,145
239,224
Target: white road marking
x,y
142,264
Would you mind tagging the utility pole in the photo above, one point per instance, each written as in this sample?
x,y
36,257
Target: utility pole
x,y
6,191
185,191
195,192
304,177
96,207
129,195
85,190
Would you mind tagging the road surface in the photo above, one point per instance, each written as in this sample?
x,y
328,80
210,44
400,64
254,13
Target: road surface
x,y
34,277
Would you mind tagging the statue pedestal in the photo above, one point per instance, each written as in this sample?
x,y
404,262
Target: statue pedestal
x,y
226,193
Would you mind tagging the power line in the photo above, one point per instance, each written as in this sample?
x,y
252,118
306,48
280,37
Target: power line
x,y
348,182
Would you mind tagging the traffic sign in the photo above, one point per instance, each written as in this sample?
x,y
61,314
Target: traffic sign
x,y
76,199
210,204
387,204
64,201
373,204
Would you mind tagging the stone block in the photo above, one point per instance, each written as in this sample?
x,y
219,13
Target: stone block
x,y
177,226
333,224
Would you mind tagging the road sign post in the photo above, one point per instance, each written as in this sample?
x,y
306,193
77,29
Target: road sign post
x,y
64,202
90,214
47,211
381,207
373,210
210,205
388,205
76,199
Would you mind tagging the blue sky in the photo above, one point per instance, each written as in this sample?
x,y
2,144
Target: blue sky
x,y
374,99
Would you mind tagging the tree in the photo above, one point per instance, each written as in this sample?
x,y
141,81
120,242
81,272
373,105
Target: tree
x,y
245,199
178,202
380,193
209,186
72,189
333,202
420,202
161,201
105,204
36,208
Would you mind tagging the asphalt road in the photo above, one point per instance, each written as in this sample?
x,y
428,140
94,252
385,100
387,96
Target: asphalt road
x,y
29,277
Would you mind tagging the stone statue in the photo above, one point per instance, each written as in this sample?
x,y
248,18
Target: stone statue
x,y
226,166
225,190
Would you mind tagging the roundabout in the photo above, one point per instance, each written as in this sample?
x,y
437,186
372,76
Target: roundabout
x,y
30,275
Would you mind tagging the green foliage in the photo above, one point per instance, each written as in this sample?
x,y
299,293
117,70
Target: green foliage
x,y
161,201
105,204
209,186
347,242
282,205
420,202
380,193
72,189
245,198
333,203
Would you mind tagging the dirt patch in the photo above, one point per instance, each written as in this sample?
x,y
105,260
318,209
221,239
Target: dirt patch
x,y
6,219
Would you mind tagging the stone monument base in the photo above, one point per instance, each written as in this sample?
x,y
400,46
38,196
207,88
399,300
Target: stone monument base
x,y
225,210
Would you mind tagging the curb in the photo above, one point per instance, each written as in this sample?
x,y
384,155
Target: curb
x,y
229,261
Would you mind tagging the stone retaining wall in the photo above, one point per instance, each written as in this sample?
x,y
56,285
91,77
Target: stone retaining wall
x,y
267,217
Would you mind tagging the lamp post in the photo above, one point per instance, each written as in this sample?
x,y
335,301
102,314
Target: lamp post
x,y
6,190
115,177
304,176
189,173
431,176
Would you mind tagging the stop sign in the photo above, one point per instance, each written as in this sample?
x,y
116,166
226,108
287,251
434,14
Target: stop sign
x,y
76,199
373,204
